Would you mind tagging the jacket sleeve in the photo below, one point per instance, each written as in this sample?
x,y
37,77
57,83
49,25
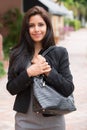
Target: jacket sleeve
x,y
18,83
61,78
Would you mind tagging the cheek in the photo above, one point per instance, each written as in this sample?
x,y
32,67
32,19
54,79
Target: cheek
x,y
45,30
30,31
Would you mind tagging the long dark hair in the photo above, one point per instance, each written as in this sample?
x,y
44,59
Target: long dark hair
x,y
24,50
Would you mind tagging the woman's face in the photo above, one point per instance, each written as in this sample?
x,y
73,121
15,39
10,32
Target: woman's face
x,y
37,28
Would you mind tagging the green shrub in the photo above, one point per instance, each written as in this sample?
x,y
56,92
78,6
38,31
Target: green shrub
x,y
1,25
66,21
12,21
76,24
2,71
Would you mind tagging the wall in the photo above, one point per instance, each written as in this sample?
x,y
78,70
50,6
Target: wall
x,y
58,23
9,4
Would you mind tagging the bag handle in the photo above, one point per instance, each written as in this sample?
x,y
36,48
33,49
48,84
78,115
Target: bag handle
x,y
48,50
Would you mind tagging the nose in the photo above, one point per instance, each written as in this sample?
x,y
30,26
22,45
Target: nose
x,y
36,28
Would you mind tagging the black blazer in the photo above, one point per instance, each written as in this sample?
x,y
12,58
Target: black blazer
x,y
60,78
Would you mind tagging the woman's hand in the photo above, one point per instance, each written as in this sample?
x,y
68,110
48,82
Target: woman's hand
x,y
38,58
39,66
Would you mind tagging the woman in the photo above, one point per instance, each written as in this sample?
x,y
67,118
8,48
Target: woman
x,y
26,62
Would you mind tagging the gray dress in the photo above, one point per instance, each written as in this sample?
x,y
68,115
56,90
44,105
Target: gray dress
x,y
34,121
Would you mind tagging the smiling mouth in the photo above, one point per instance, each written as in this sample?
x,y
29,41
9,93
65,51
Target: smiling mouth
x,y
37,35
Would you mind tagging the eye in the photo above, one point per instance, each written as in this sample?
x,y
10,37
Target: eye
x,y
41,24
31,25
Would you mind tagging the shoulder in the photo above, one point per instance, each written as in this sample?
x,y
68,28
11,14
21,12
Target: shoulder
x,y
59,51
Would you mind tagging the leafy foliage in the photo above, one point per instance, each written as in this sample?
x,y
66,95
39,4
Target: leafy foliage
x,y
75,24
79,7
73,1
13,21
2,71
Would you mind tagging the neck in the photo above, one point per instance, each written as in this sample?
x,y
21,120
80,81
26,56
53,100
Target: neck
x,y
38,47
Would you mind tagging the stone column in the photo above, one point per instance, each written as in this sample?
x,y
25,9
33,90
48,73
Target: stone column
x,y
1,47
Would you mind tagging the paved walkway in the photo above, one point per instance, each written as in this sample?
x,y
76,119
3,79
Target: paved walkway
x,y
76,45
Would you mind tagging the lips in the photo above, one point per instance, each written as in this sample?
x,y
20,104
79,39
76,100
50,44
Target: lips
x,y
37,35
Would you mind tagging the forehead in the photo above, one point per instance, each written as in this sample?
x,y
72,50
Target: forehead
x,y
36,18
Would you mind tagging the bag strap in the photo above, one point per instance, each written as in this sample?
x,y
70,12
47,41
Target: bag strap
x,y
48,50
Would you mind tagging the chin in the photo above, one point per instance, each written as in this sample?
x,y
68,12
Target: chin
x,y
39,40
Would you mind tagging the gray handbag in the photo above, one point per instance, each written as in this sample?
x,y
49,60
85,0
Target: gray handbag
x,y
47,100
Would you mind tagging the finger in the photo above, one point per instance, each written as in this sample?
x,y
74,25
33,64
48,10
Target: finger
x,y
47,70
47,67
34,60
41,58
44,65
